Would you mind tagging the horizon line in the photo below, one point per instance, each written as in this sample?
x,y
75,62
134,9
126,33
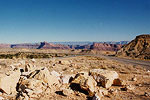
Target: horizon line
x,y
64,42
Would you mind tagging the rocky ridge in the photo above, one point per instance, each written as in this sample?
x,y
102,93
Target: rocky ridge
x,y
137,48
105,47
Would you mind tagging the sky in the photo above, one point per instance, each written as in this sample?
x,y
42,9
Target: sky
x,y
26,21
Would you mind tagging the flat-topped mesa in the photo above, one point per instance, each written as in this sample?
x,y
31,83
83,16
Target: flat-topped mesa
x,y
46,45
137,48
4,45
25,45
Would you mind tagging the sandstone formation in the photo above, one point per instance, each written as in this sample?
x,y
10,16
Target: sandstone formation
x,y
26,45
86,47
105,47
8,82
34,83
45,45
4,45
85,82
104,77
43,75
137,48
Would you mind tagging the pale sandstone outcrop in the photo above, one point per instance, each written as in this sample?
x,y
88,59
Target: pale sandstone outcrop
x,y
104,77
9,82
44,75
64,62
65,79
86,83
36,82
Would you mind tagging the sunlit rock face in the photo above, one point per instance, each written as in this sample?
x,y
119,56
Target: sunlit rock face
x,y
105,47
137,48
45,45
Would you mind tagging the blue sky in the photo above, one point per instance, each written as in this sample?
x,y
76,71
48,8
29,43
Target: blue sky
x,y
73,20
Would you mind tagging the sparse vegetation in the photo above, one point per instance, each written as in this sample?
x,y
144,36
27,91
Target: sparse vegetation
x,y
31,55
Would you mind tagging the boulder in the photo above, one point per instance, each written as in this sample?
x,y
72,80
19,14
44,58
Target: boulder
x,y
147,94
22,62
134,79
65,79
54,73
27,67
86,73
117,82
64,62
128,87
101,91
29,91
44,75
103,77
86,83
36,86
36,83
66,91
96,97
33,60
9,82
113,91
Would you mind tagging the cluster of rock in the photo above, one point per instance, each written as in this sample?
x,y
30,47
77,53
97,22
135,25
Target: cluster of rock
x,y
137,48
30,82
96,82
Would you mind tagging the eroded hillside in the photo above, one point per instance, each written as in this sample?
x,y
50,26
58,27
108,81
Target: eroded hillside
x,y
137,48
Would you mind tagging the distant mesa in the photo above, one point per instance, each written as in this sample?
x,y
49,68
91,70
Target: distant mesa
x,y
86,47
137,48
46,45
94,46
42,45
25,45
4,45
105,47
100,46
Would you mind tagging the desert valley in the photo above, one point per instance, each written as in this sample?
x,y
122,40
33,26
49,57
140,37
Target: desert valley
x,y
92,71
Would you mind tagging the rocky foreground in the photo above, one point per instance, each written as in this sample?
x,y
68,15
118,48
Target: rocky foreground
x,y
72,78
